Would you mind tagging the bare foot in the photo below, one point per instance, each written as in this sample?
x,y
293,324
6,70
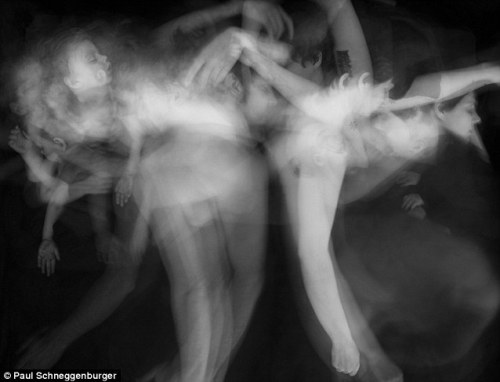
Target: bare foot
x,y
345,355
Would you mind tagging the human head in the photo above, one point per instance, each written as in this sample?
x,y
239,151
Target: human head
x,y
312,55
458,116
412,135
78,63
87,68
27,82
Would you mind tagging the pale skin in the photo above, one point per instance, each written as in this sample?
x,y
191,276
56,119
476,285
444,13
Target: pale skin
x,y
55,192
198,361
294,89
312,202
87,76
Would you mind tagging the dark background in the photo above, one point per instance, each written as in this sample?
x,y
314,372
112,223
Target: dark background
x,y
277,348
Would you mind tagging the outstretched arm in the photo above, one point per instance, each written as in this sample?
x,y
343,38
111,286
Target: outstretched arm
x,y
256,14
453,83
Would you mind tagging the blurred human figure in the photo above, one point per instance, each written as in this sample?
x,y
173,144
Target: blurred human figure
x,y
201,191
312,157
427,276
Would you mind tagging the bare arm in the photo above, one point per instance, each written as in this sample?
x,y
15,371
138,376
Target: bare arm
x,y
446,85
291,86
351,51
256,15
199,19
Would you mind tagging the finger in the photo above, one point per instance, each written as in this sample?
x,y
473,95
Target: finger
x,y
47,268
273,28
206,73
222,73
56,253
411,203
52,266
288,23
194,70
39,261
279,23
354,370
406,204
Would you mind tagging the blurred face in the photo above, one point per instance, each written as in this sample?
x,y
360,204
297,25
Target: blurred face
x,y
410,138
87,68
462,119
28,87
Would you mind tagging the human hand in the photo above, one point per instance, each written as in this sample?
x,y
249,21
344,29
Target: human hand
x,y
412,201
41,351
408,178
258,15
47,256
345,355
18,142
123,189
216,60
275,51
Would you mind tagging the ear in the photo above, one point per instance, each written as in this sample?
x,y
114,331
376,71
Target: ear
x,y
60,143
72,83
314,62
438,109
318,60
